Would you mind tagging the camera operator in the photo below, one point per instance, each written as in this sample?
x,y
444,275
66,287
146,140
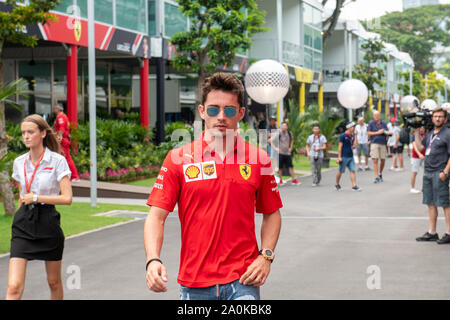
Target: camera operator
x,y
436,145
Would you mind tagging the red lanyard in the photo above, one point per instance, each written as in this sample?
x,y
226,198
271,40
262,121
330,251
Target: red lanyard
x,y
28,185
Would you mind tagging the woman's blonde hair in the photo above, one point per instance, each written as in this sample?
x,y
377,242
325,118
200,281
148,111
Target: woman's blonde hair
x,y
50,140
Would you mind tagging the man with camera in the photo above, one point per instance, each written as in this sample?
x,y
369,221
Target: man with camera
x,y
436,146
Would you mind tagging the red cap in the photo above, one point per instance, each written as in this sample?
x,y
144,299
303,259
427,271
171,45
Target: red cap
x,y
393,120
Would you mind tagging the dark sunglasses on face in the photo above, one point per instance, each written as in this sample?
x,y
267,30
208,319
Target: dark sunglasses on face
x,y
213,111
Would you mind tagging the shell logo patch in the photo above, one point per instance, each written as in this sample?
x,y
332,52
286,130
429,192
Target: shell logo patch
x,y
192,172
245,170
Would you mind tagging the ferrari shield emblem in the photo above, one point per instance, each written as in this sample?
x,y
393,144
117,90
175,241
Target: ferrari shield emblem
x,y
245,170
77,30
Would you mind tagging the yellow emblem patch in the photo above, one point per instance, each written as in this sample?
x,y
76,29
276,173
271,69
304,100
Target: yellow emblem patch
x,y
77,30
209,169
245,170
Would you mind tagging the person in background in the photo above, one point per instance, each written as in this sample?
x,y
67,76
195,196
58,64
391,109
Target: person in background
x,y
315,146
346,158
416,160
44,181
362,143
63,134
284,149
377,131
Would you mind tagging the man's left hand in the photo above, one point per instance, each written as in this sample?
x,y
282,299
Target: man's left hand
x,y
443,177
256,273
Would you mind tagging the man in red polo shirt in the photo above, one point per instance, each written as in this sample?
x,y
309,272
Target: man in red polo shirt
x,y
217,181
62,131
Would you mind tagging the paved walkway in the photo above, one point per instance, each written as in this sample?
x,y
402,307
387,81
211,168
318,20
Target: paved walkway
x,y
329,242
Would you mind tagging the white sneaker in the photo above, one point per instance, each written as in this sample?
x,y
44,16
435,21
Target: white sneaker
x,y
392,168
399,169
414,191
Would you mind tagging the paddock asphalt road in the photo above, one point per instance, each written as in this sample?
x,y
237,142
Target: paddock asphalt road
x,y
332,246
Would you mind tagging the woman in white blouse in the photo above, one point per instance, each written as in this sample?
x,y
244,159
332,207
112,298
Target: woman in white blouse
x,y
44,181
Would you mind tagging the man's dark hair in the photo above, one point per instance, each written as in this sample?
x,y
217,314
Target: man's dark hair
x,y
224,82
439,109
316,125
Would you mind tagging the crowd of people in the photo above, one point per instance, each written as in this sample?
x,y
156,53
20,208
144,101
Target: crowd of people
x,y
217,190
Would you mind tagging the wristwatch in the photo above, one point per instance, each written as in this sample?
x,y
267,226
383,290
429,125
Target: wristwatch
x,y
35,196
445,174
267,254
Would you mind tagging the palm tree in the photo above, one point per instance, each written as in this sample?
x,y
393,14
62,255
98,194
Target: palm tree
x,y
8,90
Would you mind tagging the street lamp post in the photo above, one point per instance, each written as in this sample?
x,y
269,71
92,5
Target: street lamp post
x,y
352,94
92,106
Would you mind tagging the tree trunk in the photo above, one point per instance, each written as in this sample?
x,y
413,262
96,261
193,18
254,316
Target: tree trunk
x,y
5,185
198,101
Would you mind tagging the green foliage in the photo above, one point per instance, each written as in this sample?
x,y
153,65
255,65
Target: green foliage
x,y
433,85
445,68
301,125
173,126
417,31
20,16
368,72
218,30
418,84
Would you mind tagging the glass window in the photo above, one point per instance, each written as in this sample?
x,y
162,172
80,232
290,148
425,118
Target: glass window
x,y
174,20
130,14
82,4
317,40
317,62
308,36
308,58
64,6
60,80
307,14
151,17
317,18
104,11
37,75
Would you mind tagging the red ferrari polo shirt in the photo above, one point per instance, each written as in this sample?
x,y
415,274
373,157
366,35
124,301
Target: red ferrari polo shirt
x,y
216,207
62,124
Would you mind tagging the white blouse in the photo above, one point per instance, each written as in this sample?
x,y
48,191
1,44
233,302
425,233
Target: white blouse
x,y
50,172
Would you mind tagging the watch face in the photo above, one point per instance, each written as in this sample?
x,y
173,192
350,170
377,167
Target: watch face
x,y
268,253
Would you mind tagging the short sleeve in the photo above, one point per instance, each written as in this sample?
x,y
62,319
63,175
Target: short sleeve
x,y
308,141
15,174
324,139
62,169
268,198
166,189
341,138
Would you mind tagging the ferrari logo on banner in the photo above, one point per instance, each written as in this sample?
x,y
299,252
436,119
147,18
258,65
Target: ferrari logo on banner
x,y
77,30
245,170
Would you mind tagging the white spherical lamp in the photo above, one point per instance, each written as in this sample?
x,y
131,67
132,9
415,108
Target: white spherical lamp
x,y
446,106
428,104
409,103
267,81
352,94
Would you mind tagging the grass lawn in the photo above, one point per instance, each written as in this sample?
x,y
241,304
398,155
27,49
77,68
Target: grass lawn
x,y
75,218
144,182
302,163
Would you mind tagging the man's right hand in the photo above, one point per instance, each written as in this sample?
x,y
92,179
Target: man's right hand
x,y
156,277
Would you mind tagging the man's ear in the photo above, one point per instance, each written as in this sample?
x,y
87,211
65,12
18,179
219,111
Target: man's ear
x,y
202,111
241,113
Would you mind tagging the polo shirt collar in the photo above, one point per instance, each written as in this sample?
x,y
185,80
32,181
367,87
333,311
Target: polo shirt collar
x,y
207,148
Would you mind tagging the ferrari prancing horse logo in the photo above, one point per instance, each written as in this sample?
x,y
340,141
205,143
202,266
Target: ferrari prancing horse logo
x,y
245,170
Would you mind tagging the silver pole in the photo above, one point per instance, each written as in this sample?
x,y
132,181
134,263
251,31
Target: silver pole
x,y
410,82
350,68
92,106
280,46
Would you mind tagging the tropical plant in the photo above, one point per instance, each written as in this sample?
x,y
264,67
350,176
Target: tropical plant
x,y
18,15
218,31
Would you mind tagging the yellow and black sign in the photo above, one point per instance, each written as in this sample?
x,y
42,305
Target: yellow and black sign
x,y
77,30
245,170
